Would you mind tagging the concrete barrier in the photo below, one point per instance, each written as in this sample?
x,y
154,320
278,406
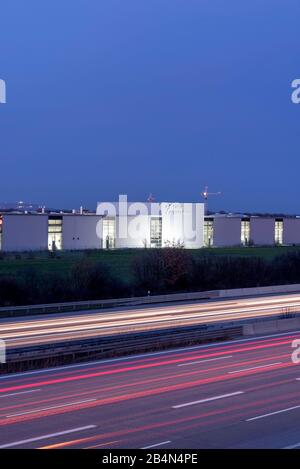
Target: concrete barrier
x,y
270,327
260,290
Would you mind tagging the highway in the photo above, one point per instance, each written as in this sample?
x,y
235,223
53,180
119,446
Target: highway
x,y
239,394
36,330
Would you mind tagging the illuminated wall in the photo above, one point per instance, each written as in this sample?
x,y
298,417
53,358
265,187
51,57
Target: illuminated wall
x,y
182,224
140,225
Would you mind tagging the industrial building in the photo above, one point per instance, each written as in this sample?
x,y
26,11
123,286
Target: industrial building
x,y
138,224
40,232
142,225
114,225
238,230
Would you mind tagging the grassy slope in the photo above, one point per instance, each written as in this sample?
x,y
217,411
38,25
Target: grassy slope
x,y
119,260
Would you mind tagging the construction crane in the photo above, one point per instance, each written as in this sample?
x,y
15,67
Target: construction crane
x,y
205,194
151,198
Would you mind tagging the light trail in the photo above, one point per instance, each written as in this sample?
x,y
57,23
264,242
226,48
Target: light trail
x,y
131,399
67,327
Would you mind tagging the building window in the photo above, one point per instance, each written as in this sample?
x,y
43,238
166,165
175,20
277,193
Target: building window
x,y
278,232
208,232
245,231
156,232
109,233
55,233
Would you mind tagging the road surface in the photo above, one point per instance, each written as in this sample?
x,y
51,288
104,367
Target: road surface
x,y
240,394
65,327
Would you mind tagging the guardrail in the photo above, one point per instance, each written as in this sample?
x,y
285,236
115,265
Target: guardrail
x,y
110,346
101,304
15,311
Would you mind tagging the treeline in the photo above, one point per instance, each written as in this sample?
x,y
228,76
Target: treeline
x,y
84,281
153,272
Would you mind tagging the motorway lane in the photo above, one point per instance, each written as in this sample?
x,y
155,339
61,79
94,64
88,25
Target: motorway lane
x,y
237,394
58,328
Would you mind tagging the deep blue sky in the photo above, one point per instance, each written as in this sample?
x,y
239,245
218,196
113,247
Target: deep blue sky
x,y
138,96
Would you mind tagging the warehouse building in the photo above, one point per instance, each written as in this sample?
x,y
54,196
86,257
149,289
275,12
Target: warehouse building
x,y
114,226
142,225
238,230
40,232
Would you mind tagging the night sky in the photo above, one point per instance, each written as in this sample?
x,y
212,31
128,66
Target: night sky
x,y
137,96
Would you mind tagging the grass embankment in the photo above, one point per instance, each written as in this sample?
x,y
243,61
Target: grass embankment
x,y
119,261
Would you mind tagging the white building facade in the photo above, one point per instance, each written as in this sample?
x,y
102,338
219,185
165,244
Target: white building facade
x,y
123,224
156,225
237,230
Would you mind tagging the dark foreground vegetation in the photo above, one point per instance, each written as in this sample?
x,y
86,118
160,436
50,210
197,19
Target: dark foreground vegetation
x,y
24,280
